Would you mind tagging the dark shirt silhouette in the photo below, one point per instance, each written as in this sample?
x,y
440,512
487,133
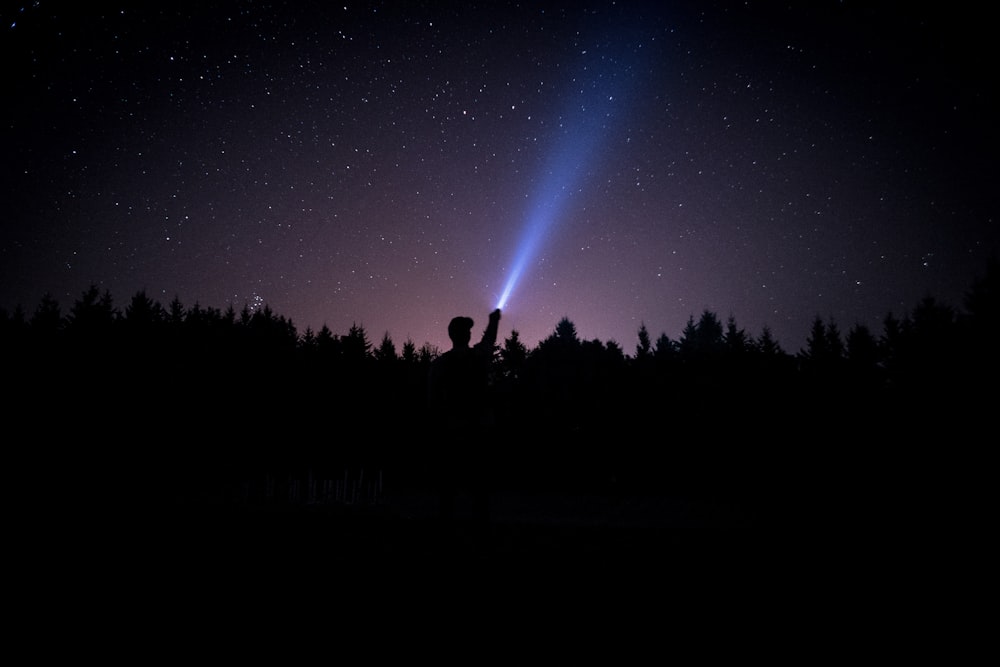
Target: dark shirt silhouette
x,y
462,414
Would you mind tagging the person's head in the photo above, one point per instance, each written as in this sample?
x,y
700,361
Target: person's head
x,y
460,331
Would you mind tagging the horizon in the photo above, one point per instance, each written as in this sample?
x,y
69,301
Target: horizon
x,y
375,335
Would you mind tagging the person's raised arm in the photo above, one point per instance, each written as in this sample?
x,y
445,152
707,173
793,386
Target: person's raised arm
x,y
490,335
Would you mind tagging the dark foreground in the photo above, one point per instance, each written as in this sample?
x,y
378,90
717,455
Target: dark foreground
x,y
606,537
799,567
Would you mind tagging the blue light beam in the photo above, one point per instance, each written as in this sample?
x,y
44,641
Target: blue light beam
x,y
597,93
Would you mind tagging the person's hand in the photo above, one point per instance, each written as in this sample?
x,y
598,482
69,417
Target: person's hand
x,y
495,315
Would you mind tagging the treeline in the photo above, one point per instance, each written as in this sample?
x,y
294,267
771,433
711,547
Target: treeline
x,y
199,386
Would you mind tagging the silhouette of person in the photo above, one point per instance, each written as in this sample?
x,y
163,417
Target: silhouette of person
x,y
459,390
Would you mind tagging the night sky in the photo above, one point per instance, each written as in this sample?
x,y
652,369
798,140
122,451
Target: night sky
x,y
395,164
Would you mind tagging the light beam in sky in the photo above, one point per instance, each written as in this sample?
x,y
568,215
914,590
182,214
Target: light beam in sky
x,y
595,94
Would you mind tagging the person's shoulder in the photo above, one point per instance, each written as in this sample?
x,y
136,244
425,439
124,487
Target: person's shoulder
x,y
443,359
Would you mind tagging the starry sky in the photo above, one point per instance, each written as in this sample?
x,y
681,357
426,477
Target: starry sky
x,y
394,164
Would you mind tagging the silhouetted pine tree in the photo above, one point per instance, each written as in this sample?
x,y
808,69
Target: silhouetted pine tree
x,y
327,344
143,314
415,375
736,340
774,367
666,349
356,348
428,353
144,337
701,354
834,342
891,344
817,344
47,321
863,355
409,352
92,316
555,373
307,343
767,345
513,356
643,350
614,352
687,345
710,334
385,353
